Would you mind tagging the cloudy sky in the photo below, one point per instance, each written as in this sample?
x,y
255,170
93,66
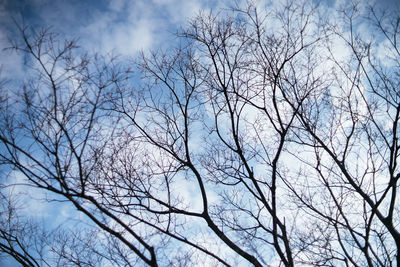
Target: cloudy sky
x,y
122,26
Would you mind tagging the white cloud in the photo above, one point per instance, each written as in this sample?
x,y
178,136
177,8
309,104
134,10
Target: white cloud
x,y
125,28
117,5
37,203
179,11
11,62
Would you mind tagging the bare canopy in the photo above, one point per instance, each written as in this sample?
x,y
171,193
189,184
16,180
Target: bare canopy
x,y
267,137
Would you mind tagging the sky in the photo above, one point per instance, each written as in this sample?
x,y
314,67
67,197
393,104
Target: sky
x,y
121,26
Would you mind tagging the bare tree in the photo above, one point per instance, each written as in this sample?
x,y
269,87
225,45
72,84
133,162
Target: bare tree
x,y
254,142
15,240
351,129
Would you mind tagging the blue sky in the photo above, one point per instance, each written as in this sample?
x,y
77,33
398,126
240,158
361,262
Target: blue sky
x,y
122,26
125,26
